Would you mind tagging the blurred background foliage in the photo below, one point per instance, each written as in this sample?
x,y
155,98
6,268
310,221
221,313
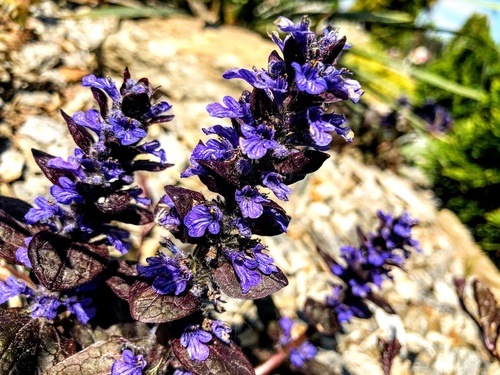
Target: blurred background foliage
x,y
432,102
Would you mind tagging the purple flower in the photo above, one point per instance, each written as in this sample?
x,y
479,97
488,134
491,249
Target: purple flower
x,y
22,253
73,165
153,148
299,31
105,84
250,202
168,215
66,192
245,269
320,124
45,211
264,261
304,352
308,79
194,340
233,109
81,308
11,288
116,237
127,130
181,372
221,330
135,194
45,305
170,276
286,323
257,140
201,218
130,364
274,181
90,119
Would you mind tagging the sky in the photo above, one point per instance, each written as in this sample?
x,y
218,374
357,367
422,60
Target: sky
x,y
452,14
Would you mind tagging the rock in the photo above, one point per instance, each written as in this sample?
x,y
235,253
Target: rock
x,y
11,165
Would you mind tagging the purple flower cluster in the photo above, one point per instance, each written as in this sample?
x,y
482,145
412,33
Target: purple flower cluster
x,y
298,354
369,264
94,184
277,136
43,303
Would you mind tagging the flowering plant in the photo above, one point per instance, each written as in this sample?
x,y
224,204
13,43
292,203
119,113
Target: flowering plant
x,y
72,244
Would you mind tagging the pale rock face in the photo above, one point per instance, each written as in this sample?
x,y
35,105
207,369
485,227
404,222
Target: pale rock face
x,y
187,61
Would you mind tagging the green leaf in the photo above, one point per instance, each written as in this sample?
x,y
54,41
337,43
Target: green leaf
x,y
422,75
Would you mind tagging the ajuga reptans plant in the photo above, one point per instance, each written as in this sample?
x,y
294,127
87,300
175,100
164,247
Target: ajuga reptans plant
x,y
273,135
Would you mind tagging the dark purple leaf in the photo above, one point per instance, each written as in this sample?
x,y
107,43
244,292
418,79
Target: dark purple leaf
x,y
223,360
292,53
150,307
113,203
266,224
162,119
41,158
120,276
80,135
301,163
322,317
15,208
334,51
135,105
380,302
183,199
150,166
261,105
12,235
225,277
388,351
60,264
225,169
133,214
486,303
102,101
29,346
96,359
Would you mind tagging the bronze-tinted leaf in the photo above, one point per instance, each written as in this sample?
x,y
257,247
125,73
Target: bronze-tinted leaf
x,y
486,303
261,105
60,264
150,307
150,166
334,51
29,346
322,317
113,203
135,105
388,351
223,360
225,169
12,235
41,158
120,276
134,214
225,277
80,135
301,163
96,359
380,302
15,208
183,199
292,53
101,99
